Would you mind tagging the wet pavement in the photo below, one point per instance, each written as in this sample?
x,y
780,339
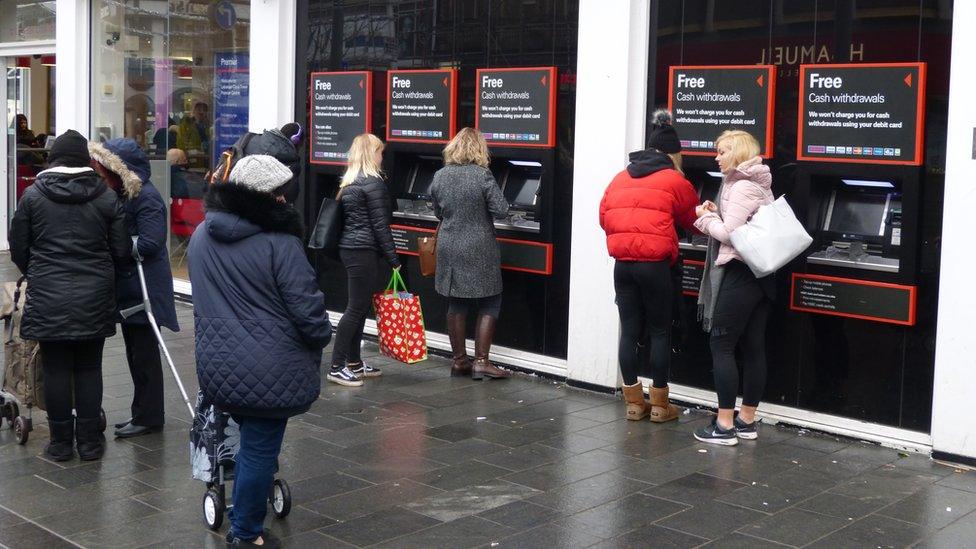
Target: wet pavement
x,y
419,459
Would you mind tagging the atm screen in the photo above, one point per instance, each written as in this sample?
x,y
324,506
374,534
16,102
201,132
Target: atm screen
x,y
522,183
424,176
857,213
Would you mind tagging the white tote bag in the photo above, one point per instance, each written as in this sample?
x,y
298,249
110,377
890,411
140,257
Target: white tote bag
x,y
771,238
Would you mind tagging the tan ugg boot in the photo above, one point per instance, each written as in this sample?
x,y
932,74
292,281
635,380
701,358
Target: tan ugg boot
x,y
637,407
661,409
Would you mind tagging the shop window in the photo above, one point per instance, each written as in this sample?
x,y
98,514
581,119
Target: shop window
x,y
26,20
173,77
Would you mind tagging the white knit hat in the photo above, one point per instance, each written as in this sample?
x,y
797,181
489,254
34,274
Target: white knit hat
x,y
260,172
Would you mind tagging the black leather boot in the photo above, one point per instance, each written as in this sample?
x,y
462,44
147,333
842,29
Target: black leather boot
x,y
61,447
91,440
459,352
484,332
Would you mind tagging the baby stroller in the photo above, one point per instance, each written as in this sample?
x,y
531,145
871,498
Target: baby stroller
x,y
22,376
214,437
214,440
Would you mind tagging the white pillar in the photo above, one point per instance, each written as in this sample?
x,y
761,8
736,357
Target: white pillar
x,y
611,105
953,431
72,32
272,82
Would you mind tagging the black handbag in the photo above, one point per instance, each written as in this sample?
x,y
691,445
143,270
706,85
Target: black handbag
x,y
328,228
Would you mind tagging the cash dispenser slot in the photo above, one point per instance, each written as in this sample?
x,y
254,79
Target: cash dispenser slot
x,y
860,226
707,183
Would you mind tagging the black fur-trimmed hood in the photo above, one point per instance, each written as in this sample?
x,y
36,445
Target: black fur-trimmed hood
x,y
259,210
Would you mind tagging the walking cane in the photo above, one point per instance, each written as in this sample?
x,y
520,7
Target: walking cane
x,y
146,306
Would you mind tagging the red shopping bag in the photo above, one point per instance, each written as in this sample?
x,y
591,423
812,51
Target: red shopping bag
x,y
400,322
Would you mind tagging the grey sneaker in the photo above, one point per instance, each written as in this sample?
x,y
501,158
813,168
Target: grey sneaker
x,y
344,377
365,370
746,431
713,434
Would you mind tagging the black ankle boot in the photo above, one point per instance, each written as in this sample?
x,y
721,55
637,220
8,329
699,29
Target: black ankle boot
x,y
61,447
91,440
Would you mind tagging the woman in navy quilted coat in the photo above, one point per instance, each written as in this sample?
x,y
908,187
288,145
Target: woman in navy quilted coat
x,y
260,323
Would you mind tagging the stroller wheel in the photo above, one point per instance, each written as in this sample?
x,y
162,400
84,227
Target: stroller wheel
x,y
22,429
280,498
11,411
213,509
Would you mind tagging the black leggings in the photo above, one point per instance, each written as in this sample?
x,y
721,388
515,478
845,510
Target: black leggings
x,y
486,306
741,313
644,302
365,272
72,362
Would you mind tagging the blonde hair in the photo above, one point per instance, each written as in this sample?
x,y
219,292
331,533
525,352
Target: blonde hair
x,y
467,147
742,145
362,158
676,160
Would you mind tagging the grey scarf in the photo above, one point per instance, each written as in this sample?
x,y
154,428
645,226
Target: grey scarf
x,y
711,280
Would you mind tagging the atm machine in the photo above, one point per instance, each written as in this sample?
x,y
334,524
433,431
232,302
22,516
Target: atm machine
x,y
854,295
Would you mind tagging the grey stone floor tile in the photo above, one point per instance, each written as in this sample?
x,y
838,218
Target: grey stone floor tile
x,y
694,489
574,443
8,519
575,468
712,520
606,521
778,491
958,534
819,442
461,475
932,506
314,538
886,486
874,531
590,492
324,486
465,450
741,541
371,499
844,507
30,535
521,515
393,466
794,527
549,535
961,480
379,527
457,534
652,536
524,457
93,517
470,500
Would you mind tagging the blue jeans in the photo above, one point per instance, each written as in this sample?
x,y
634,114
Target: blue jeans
x,y
256,464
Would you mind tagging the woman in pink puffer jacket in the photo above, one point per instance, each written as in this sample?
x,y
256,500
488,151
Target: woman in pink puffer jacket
x,y
733,303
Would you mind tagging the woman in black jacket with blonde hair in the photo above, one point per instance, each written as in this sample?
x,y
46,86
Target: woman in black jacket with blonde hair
x,y
366,250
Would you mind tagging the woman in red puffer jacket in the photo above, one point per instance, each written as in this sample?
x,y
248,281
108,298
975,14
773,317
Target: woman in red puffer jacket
x,y
639,212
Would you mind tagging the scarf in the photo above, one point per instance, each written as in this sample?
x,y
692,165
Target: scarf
x,y
712,275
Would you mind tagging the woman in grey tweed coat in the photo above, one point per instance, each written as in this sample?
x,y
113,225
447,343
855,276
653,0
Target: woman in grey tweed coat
x,y
466,199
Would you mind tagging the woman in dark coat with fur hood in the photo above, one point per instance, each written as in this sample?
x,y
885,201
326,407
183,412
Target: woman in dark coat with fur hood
x,y
260,325
125,166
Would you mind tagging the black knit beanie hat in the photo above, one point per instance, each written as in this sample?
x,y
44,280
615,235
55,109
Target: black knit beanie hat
x,y
662,135
70,150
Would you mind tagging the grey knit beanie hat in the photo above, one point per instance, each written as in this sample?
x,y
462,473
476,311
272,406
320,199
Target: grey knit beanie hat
x,y
260,172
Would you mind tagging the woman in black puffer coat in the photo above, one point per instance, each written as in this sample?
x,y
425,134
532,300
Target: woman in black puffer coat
x,y
67,236
365,245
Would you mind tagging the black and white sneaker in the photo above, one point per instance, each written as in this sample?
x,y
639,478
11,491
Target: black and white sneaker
x,y
365,370
713,434
344,377
746,431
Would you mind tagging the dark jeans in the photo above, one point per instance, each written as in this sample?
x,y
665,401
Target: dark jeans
x,y
741,312
146,367
490,306
644,302
365,272
254,470
68,363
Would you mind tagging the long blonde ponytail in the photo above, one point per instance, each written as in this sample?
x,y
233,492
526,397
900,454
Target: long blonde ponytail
x,y
362,158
